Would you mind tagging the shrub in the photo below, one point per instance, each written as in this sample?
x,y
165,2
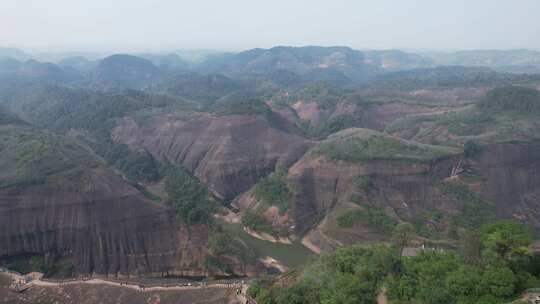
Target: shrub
x,y
274,191
223,243
364,183
188,196
255,221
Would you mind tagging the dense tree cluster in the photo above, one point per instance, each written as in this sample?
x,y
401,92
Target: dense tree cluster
x,y
512,98
274,191
139,166
493,266
188,196
444,77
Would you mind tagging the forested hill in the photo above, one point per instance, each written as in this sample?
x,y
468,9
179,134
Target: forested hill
x,y
248,164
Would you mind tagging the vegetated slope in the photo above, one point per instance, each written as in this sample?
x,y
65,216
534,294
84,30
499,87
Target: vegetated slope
x,y
205,89
395,60
230,149
9,118
356,185
506,114
169,62
340,65
124,71
485,271
13,53
519,61
357,145
78,63
322,109
372,177
447,76
91,115
14,72
58,200
331,173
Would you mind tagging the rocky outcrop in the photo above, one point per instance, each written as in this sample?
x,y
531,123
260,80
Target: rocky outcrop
x,y
510,174
105,226
58,200
406,188
229,153
505,175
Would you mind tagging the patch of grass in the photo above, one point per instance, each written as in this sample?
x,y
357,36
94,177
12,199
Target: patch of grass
x,y
358,145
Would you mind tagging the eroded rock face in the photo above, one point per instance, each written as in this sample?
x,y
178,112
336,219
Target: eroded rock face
x,y
228,153
508,177
407,188
104,225
511,179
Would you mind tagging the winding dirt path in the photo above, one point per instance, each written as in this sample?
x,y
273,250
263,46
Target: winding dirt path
x,y
37,281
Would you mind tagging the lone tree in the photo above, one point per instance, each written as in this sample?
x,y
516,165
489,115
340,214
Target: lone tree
x,y
402,236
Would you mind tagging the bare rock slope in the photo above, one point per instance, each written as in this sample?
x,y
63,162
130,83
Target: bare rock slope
x,y
79,210
229,153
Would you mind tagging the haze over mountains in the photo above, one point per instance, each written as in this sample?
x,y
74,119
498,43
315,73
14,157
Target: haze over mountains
x,y
211,164
284,65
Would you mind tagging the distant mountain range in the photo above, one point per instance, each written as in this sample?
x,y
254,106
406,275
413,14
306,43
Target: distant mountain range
x,y
282,65
515,61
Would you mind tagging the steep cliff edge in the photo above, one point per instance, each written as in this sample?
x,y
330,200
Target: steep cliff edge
x,y
229,153
58,201
343,195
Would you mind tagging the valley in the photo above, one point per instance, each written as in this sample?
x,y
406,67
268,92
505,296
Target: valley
x,y
297,169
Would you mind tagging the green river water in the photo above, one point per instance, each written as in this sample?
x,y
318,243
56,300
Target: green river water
x,y
290,255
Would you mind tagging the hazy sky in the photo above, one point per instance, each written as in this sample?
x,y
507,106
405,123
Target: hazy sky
x,y
240,24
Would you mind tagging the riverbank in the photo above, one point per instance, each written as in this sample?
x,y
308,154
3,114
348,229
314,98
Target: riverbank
x,y
290,255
